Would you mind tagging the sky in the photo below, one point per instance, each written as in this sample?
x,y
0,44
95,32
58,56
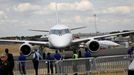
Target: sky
x,y
18,16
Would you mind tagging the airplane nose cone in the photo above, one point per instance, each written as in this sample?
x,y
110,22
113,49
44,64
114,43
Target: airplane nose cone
x,y
61,42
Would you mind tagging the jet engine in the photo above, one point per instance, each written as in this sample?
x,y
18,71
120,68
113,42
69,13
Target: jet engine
x,y
93,45
26,48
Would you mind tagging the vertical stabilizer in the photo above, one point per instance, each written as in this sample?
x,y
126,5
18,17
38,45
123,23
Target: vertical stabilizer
x,y
57,15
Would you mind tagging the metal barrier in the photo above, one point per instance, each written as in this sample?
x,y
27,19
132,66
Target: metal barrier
x,y
74,66
42,69
88,66
91,65
120,62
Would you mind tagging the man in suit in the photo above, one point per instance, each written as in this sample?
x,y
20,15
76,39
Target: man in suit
x,y
11,61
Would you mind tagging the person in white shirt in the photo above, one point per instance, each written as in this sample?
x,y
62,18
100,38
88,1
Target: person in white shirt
x,y
131,68
36,58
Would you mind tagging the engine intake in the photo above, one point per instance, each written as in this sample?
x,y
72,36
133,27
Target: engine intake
x,y
93,46
26,49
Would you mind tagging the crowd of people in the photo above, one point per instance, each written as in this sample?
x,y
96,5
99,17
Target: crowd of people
x,y
7,61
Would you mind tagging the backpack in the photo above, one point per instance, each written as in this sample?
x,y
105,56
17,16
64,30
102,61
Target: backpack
x,y
35,58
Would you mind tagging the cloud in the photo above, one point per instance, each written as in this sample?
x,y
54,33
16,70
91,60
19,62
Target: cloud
x,y
83,5
3,15
22,7
35,9
81,19
41,12
118,9
77,18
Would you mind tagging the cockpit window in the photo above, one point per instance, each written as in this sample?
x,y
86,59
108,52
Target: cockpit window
x,y
60,32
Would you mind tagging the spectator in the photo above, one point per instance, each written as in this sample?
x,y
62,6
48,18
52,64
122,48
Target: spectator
x,y
49,63
0,66
22,59
79,54
36,58
75,56
131,51
131,68
57,57
87,53
44,55
4,65
10,61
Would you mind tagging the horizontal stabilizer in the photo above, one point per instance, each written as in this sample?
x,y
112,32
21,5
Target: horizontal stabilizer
x,y
78,28
39,30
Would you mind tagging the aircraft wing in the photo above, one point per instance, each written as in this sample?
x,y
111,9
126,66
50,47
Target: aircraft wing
x,y
81,40
97,37
24,41
107,35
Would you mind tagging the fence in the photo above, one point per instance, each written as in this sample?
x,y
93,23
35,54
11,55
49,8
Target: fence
x,y
85,66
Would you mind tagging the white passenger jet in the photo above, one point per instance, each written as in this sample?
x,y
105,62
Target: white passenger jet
x,y
60,37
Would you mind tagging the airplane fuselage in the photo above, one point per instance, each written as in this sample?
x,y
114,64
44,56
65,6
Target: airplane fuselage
x,y
60,36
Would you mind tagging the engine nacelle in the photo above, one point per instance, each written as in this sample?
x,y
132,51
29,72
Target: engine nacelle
x,y
93,45
26,49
